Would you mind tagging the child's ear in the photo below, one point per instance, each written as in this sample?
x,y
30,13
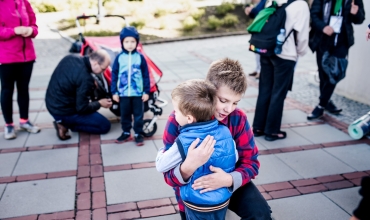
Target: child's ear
x,y
190,119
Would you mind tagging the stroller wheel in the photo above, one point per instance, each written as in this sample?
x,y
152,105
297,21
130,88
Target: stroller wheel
x,y
148,132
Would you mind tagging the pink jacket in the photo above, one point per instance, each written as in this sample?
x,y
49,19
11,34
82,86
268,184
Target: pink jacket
x,y
15,48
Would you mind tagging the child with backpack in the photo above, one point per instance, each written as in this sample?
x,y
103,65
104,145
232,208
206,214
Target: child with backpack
x,y
290,20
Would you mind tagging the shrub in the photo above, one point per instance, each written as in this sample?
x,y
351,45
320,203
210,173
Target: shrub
x,y
224,8
101,33
162,25
190,23
213,23
230,20
159,12
138,24
198,13
44,7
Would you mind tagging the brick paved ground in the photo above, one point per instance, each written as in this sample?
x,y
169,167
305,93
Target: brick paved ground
x,y
313,174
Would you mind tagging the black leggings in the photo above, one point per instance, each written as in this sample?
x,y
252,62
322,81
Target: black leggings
x,y
10,74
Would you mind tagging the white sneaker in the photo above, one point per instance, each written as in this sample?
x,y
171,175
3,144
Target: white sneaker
x,y
29,127
9,132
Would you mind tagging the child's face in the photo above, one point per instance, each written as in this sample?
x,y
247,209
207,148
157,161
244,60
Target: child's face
x,y
129,43
180,118
227,100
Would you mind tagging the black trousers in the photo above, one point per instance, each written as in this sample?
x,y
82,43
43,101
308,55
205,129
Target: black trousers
x,y
326,88
132,106
19,74
248,203
276,78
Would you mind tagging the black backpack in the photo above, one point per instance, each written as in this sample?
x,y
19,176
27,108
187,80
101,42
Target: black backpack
x,y
264,42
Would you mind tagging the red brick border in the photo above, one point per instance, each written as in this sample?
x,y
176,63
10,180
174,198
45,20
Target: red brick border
x,y
167,206
47,216
38,176
34,148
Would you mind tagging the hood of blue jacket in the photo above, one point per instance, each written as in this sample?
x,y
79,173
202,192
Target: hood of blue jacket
x,y
129,32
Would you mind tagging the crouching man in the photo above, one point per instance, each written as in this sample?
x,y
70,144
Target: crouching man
x,y
69,93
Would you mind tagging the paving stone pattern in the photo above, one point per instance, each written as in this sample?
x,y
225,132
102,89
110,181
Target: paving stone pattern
x,y
314,173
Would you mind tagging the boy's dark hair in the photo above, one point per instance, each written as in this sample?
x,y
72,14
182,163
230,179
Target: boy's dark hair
x,y
197,98
228,72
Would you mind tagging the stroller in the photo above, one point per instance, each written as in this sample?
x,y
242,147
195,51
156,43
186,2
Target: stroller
x,y
112,45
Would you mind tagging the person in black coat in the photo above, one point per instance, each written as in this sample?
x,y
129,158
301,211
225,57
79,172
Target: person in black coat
x,y
70,93
323,38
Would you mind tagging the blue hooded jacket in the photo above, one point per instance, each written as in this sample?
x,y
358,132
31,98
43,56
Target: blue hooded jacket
x,y
130,75
224,157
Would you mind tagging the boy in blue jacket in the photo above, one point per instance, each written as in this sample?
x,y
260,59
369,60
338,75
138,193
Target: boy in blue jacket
x,y
130,85
194,102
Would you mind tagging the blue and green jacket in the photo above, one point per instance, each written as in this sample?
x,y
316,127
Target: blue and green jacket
x,y
130,75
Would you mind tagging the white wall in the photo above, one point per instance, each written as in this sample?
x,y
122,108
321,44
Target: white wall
x,y
356,85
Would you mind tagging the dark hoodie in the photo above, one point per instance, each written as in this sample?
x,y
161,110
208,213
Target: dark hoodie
x,y
130,75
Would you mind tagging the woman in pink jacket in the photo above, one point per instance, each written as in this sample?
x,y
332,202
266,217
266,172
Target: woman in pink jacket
x,y
17,55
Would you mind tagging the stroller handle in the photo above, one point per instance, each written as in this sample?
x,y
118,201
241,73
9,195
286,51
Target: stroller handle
x,y
93,16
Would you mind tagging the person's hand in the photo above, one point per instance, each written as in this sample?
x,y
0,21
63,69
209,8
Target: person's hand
x,y
196,157
216,180
28,32
116,98
145,97
328,30
354,218
20,30
368,34
354,8
105,103
248,10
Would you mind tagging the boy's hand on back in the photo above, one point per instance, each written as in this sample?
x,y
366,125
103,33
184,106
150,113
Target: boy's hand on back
x,y
145,97
197,157
368,34
216,180
116,98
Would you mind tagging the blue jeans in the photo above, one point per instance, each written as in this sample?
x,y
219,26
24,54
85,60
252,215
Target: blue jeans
x,y
215,215
248,203
94,123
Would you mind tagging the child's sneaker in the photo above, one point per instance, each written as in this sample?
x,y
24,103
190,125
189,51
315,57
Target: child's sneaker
x,y
27,126
9,132
123,138
139,139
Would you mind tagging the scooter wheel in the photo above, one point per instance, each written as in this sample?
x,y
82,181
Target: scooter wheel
x,y
149,132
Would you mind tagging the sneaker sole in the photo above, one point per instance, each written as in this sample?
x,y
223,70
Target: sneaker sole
x,y
334,113
30,131
315,118
139,144
120,142
10,138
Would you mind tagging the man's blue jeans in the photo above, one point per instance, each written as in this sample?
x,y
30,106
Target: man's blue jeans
x,y
94,123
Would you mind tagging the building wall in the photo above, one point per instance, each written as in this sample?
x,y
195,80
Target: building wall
x,y
356,85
